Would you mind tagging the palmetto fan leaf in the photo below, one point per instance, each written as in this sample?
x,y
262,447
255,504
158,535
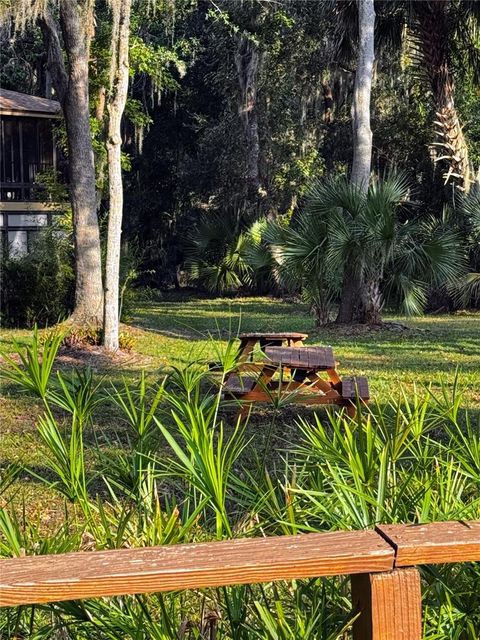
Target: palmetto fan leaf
x,y
385,194
379,219
408,256
413,294
468,288
432,249
216,252
262,253
332,210
326,196
211,230
470,207
444,257
344,245
429,252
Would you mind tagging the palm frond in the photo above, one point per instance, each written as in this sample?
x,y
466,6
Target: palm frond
x,y
466,289
413,295
326,196
444,257
470,207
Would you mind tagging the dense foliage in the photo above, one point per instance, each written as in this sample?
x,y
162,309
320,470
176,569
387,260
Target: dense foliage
x,y
236,108
236,159
38,288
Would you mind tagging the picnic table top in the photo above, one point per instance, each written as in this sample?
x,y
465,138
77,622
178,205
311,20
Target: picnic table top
x,y
294,335
309,358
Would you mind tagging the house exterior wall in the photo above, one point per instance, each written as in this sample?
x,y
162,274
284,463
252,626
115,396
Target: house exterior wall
x,y
27,149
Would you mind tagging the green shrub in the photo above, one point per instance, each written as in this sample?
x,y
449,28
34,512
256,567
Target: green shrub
x,y
38,288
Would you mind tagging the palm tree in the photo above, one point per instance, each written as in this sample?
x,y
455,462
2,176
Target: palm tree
x,y
439,27
398,256
215,252
438,33
298,261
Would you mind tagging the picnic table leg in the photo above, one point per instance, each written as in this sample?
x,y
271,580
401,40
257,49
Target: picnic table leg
x,y
351,410
332,389
333,376
245,350
266,374
244,411
324,385
265,377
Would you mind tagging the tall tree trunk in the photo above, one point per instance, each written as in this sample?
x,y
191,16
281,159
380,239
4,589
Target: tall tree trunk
x,y
349,299
248,61
116,106
71,85
362,133
434,34
100,159
362,145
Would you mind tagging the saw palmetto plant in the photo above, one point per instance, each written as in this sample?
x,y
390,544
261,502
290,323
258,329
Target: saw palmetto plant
x,y
187,475
396,254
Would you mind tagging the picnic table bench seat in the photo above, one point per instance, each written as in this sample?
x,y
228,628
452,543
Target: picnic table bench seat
x,y
353,386
238,385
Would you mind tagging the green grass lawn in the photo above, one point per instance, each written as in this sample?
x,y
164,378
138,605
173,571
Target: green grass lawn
x,y
175,331
430,352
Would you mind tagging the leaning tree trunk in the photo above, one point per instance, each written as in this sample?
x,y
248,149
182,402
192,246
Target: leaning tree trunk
x,y
434,33
71,85
362,146
248,61
116,106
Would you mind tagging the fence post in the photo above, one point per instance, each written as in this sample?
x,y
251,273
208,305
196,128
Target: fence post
x,y
389,603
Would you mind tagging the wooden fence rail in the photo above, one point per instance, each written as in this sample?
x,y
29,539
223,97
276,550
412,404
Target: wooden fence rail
x,y
385,582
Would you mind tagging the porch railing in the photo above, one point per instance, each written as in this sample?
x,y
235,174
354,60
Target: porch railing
x,y
381,562
24,188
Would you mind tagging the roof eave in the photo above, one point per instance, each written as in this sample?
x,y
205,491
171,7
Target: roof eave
x,y
29,114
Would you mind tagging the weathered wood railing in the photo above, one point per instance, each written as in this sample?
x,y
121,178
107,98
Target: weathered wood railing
x,y
381,562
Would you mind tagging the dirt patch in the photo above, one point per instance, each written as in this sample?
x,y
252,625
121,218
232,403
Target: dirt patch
x,y
96,358
365,329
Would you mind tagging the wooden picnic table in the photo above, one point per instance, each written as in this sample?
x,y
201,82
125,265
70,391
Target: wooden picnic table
x,y
248,341
306,375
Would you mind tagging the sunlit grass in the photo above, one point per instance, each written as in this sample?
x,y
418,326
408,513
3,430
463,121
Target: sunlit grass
x,y
428,353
